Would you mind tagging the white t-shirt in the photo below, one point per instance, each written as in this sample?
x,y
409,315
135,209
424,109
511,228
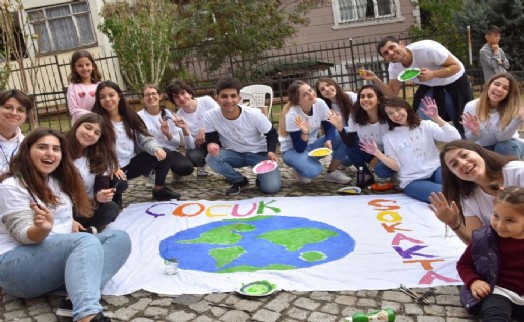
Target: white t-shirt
x,y
125,146
427,54
195,120
320,112
153,125
245,134
87,176
480,204
14,197
415,149
8,149
488,128
369,131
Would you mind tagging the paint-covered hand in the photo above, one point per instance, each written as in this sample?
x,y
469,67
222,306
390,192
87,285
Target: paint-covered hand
x,y
445,212
213,149
302,124
426,74
431,109
367,74
471,122
335,119
368,146
160,154
480,289
272,156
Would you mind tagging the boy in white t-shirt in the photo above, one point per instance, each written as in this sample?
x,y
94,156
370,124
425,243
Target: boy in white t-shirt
x,y
238,136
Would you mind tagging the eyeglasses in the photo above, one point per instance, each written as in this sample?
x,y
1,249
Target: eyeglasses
x,y
11,108
150,94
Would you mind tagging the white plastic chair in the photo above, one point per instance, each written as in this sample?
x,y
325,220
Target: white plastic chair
x,y
247,99
260,92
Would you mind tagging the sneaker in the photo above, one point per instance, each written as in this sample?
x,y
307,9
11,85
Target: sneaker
x,y
65,308
301,179
337,176
201,172
91,230
100,317
150,180
236,187
165,194
178,178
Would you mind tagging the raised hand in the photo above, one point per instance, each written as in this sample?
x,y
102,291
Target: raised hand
x,y
335,119
303,125
431,109
164,127
367,74
43,218
471,122
445,212
368,146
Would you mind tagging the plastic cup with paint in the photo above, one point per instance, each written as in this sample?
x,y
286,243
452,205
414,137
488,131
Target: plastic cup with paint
x,y
171,266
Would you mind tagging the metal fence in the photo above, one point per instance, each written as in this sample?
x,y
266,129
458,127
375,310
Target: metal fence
x,y
277,68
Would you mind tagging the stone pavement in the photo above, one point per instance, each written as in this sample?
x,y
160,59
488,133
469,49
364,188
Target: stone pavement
x,y
283,306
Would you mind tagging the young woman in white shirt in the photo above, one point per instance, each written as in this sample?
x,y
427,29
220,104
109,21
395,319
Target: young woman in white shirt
x,y
494,119
410,149
167,129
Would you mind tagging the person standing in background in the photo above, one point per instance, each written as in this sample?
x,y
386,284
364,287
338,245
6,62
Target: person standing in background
x,y
492,57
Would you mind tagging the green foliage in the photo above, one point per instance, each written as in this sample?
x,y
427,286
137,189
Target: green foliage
x,y
240,31
508,15
141,33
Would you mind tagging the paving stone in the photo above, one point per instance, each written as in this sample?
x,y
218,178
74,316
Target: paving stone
x,y
425,318
265,316
448,300
203,318
247,305
454,311
124,314
367,302
142,320
413,309
48,317
14,304
116,300
141,305
330,308
155,312
200,307
392,305
322,296
397,296
141,293
346,300
307,304
162,302
215,297
187,299
217,311
237,316
321,317
181,316
10,316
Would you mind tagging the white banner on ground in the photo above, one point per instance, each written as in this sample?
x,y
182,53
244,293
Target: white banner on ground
x,y
302,244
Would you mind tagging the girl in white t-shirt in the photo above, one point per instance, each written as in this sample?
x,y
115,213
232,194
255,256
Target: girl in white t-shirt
x,y
298,129
192,111
94,156
466,200
40,248
409,146
493,120
167,129
84,79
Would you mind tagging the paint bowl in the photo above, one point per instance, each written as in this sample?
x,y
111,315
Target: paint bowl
x,y
349,190
265,167
320,152
257,289
408,74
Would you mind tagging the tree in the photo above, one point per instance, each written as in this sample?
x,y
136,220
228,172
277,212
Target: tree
x,y
141,33
240,31
508,15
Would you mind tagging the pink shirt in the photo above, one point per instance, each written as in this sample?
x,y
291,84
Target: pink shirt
x,y
80,99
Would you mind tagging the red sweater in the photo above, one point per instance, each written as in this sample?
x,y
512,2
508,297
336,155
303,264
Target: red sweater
x,y
511,273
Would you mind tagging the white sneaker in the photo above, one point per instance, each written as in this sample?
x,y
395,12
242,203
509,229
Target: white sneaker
x,y
301,179
178,178
337,176
150,180
201,172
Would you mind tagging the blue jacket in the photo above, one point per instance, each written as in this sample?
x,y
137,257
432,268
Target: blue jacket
x,y
486,260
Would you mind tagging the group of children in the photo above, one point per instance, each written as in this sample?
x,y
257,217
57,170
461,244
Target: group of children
x,y
53,184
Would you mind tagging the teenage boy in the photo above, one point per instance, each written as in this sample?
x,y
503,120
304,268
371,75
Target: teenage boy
x,y
238,136
492,57
442,75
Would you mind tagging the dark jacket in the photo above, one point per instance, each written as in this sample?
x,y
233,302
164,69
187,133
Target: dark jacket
x,y
486,259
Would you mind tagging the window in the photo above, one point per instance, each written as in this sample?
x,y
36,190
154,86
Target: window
x,y
351,11
62,27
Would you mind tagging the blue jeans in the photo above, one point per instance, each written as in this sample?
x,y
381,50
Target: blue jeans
x,y
227,160
84,263
421,189
359,158
306,166
512,147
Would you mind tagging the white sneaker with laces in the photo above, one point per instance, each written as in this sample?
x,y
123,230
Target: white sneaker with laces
x,y
201,172
301,179
337,176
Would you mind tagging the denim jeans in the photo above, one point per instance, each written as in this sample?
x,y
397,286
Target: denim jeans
x,y
512,147
421,189
306,166
227,160
359,158
84,263
496,307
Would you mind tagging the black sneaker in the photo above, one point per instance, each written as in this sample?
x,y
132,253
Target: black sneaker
x,y
65,308
236,187
100,317
165,194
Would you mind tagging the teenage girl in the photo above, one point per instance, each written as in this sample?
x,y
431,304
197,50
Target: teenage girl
x,y
38,251
409,146
492,266
15,105
192,110
94,156
83,79
467,170
167,129
493,120
298,129
137,151
367,122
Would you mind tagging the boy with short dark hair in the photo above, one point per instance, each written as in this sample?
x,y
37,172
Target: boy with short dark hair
x,y
492,57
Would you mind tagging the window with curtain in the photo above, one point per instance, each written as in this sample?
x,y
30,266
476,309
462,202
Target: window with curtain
x,y
349,11
62,27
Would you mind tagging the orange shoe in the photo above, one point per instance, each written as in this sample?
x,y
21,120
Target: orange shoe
x,y
382,186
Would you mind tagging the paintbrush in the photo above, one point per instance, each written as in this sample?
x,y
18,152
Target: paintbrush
x,y
28,190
